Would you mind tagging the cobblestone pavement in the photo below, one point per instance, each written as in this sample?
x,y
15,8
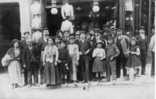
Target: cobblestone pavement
x,y
141,88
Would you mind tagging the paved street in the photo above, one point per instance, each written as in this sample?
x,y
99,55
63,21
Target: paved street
x,y
142,88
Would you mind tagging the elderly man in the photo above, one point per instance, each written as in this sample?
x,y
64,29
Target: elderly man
x,y
152,50
84,47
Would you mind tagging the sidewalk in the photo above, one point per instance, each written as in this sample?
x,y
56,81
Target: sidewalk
x,y
141,88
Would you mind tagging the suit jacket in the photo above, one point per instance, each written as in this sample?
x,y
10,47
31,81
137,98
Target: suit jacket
x,y
84,46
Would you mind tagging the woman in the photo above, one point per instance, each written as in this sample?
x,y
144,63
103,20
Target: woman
x,y
13,60
50,58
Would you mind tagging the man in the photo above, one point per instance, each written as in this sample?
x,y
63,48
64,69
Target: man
x,y
73,49
122,43
25,39
142,42
152,50
84,47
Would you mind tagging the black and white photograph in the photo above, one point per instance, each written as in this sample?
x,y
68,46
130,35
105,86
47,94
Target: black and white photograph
x,y
77,49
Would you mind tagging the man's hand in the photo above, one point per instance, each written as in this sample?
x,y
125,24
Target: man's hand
x,y
24,66
87,52
55,63
59,61
111,58
43,63
80,53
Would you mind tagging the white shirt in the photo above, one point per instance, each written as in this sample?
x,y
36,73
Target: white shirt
x,y
36,36
67,26
67,10
73,50
152,44
49,52
99,52
35,8
36,22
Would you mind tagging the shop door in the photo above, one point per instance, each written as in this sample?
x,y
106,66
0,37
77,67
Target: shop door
x,y
9,25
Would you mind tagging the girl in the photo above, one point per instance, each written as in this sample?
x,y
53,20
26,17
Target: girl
x,y
99,55
50,58
13,60
133,62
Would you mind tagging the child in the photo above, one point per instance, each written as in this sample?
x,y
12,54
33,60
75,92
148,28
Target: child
x,y
112,52
133,62
99,55
73,49
64,60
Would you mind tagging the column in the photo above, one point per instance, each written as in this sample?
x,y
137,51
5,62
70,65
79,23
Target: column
x,y
25,16
149,18
155,17
121,15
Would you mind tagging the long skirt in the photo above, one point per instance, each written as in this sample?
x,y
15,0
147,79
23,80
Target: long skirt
x,y
50,74
74,68
14,70
98,66
133,61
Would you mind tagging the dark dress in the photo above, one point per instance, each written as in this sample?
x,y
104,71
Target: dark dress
x,y
133,59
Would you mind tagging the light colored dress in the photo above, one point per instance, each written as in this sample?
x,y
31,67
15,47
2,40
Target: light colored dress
x,y
12,60
99,55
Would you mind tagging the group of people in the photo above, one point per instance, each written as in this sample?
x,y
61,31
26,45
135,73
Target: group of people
x,y
77,57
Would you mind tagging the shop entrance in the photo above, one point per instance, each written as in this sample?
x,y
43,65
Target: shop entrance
x,y
9,25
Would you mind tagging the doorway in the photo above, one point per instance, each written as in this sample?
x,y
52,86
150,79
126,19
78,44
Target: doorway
x,y
9,25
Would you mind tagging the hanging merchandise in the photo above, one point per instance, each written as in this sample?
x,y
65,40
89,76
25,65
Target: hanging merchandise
x,y
54,9
128,5
67,26
36,8
36,22
96,7
67,11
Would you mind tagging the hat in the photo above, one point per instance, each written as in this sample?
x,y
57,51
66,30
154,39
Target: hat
x,y
71,36
99,42
77,33
97,30
133,38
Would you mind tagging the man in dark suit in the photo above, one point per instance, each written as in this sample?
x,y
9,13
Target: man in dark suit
x,y
84,47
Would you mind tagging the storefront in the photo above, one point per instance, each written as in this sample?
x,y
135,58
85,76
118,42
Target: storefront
x,y
123,12
14,20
